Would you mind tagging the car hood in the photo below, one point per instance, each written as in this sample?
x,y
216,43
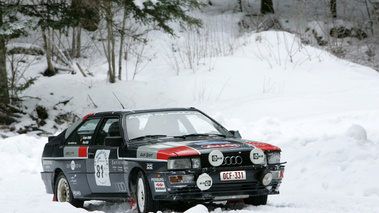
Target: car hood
x,y
165,150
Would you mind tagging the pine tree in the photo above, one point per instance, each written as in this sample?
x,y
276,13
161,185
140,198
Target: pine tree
x,y
10,27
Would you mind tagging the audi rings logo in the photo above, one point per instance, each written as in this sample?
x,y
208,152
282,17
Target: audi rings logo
x,y
120,187
233,160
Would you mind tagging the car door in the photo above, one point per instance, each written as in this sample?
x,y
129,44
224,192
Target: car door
x,y
105,172
75,156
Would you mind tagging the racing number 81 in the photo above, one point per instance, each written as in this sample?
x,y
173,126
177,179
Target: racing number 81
x,y
100,171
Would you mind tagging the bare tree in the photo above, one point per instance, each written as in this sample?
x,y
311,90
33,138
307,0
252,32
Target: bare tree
x,y
4,93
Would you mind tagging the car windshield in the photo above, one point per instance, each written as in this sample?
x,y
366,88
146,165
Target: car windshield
x,y
182,124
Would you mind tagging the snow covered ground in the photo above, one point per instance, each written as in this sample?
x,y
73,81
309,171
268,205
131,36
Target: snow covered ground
x,y
322,111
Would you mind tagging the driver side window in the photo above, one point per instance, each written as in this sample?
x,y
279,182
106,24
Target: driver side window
x,y
109,128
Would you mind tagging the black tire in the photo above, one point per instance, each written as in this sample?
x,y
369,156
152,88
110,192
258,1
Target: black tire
x,y
63,191
256,200
145,202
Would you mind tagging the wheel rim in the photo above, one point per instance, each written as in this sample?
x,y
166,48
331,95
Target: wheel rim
x,y
63,191
141,195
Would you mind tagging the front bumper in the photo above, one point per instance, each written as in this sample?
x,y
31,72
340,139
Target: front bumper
x,y
222,190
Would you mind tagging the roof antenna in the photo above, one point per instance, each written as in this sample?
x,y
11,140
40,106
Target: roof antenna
x,y
118,100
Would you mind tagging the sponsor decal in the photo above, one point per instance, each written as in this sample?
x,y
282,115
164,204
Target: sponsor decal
x,y
149,166
263,146
117,165
216,158
86,139
220,146
72,165
72,152
73,179
212,142
47,164
146,155
160,187
77,193
101,166
147,115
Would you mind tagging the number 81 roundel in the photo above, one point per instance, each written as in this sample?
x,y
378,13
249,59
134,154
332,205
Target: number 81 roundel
x,y
101,166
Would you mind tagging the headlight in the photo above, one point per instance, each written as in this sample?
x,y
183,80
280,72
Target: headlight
x,y
266,178
183,163
196,164
273,157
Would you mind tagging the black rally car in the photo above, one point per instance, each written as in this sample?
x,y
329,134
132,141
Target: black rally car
x,y
157,156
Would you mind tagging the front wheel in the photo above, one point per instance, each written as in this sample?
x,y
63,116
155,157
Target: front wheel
x,y
63,191
145,202
256,200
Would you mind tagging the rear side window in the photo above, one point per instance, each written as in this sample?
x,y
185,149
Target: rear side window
x,y
84,134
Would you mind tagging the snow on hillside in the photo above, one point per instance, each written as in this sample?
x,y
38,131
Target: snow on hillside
x,y
323,112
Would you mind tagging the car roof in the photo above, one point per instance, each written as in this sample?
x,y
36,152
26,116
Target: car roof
x,y
128,111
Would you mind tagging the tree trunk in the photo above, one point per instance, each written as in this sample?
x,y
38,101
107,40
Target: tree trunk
x,y
110,47
4,91
73,45
78,41
240,4
122,38
333,8
49,55
267,6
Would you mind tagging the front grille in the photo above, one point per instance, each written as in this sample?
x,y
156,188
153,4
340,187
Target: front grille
x,y
230,160
224,187
233,160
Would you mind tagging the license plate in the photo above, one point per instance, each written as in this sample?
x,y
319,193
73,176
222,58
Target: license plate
x,y
233,175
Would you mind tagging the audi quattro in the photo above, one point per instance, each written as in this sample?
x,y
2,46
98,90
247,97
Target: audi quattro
x,y
158,156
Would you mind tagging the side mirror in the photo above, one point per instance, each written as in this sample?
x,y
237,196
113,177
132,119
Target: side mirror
x,y
235,133
113,141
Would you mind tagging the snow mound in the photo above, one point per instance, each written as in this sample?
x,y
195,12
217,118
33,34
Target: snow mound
x,y
357,132
197,209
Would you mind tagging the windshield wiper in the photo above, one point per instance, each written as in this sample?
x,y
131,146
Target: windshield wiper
x,y
147,136
200,135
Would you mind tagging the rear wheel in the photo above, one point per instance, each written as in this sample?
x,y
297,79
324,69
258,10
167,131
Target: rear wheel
x,y
63,191
256,200
145,202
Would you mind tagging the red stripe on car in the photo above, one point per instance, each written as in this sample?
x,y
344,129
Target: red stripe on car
x,y
82,151
179,151
264,146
